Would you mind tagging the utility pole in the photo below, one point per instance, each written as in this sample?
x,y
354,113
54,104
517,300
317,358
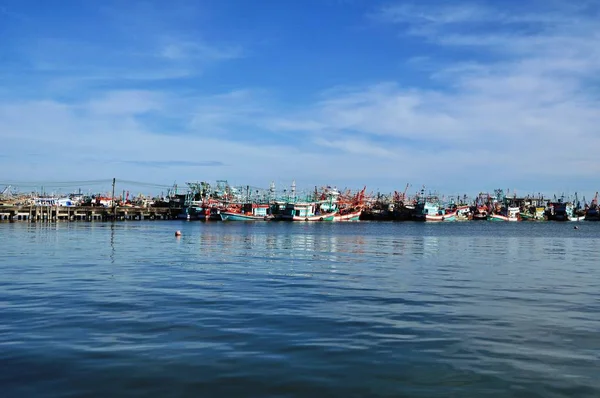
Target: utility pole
x,y
113,200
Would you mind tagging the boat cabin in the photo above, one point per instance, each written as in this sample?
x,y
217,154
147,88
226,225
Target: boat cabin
x,y
254,209
300,210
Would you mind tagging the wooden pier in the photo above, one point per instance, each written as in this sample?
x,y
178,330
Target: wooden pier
x,y
85,213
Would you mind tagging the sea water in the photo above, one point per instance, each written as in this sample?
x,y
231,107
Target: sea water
x,y
272,309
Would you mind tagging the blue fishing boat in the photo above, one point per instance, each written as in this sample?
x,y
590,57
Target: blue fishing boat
x,y
430,210
434,213
248,212
322,207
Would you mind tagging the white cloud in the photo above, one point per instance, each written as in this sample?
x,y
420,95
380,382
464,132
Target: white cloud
x,y
199,51
355,147
513,106
518,107
130,102
433,14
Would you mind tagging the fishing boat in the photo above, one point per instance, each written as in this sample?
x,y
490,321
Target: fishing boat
x,y
194,210
349,205
248,212
481,209
309,211
277,208
574,213
323,206
401,208
504,208
539,213
480,213
214,212
533,213
441,216
463,213
559,210
592,212
54,201
527,216
510,214
430,211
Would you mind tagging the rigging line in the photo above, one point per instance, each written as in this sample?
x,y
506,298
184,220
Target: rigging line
x,y
55,182
50,188
146,184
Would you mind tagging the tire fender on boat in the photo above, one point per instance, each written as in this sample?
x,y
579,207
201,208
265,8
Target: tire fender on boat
x,y
320,218
265,218
306,219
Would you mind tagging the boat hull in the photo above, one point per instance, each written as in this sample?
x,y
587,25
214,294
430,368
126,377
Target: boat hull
x,y
321,217
592,214
230,216
354,216
499,217
192,214
440,218
576,218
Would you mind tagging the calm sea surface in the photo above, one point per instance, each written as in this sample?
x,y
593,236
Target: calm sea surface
x,y
300,310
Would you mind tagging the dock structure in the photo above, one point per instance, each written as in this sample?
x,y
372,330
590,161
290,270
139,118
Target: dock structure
x,y
85,213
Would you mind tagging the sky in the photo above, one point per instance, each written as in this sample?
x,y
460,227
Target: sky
x,y
461,96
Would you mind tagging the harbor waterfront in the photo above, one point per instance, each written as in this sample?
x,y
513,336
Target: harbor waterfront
x,y
299,199
299,309
224,202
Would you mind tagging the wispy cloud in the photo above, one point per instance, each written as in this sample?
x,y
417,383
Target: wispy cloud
x,y
355,147
199,51
130,102
425,14
121,46
174,163
520,31
514,100
486,93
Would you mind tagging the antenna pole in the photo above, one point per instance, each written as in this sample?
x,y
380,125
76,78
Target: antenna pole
x,y
113,199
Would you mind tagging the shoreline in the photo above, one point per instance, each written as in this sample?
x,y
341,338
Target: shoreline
x,y
45,214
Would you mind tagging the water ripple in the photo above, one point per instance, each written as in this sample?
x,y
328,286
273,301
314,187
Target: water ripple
x,y
277,309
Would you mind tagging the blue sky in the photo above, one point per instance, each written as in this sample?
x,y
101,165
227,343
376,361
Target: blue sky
x,y
460,96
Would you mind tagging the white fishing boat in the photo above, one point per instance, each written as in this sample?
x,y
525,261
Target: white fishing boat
x,y
511,214
53,201
311,211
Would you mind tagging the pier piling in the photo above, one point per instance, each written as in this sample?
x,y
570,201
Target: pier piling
x,y
85,213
